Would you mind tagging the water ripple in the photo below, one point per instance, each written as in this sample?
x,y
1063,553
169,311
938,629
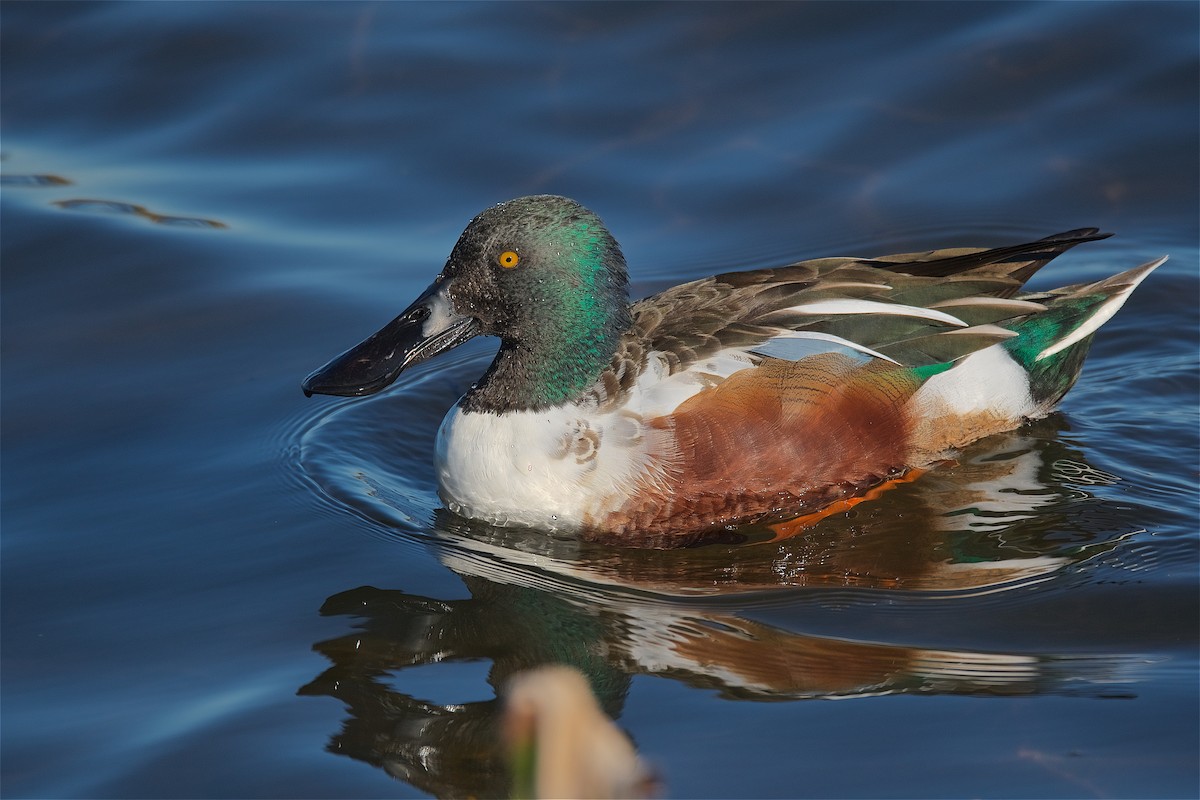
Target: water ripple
x,y
133,209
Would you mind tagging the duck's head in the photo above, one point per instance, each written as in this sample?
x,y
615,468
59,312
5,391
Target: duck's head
x,y
541,273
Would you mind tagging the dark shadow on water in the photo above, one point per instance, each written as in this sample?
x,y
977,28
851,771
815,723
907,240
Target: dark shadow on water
x,y
1015,511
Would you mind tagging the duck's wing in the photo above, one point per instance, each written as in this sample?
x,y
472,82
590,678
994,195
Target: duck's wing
x,y
911,308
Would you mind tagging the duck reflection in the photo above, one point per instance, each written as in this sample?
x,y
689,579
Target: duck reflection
x,y
1012,511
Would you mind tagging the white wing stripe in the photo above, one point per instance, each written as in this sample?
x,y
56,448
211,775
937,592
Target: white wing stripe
x,y
994,330
822,307
1015,305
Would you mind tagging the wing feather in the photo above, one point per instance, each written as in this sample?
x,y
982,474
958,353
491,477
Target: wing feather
x,y
910,308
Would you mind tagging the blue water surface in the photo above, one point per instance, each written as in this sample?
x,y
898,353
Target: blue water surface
x,y
215,587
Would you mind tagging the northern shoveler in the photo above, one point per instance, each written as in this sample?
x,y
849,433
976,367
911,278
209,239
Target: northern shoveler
x,y
730,398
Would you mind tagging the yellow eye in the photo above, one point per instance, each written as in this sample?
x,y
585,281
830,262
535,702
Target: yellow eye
x,y
508,259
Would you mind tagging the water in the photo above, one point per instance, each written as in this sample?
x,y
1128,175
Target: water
x,y
215,587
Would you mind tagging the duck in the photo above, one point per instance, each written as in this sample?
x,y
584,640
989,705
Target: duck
x,y
749,395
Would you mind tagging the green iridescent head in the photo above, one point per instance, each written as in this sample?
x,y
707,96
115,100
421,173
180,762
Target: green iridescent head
x,y
541,273
544,275
537,262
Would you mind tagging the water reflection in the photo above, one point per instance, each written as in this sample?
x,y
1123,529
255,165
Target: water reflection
x,y
1011,512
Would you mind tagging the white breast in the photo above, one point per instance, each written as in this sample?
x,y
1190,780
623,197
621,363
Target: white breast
x,y
549,469
556,468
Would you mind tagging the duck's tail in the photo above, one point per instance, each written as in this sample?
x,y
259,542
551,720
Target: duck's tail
x,y
1051,346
